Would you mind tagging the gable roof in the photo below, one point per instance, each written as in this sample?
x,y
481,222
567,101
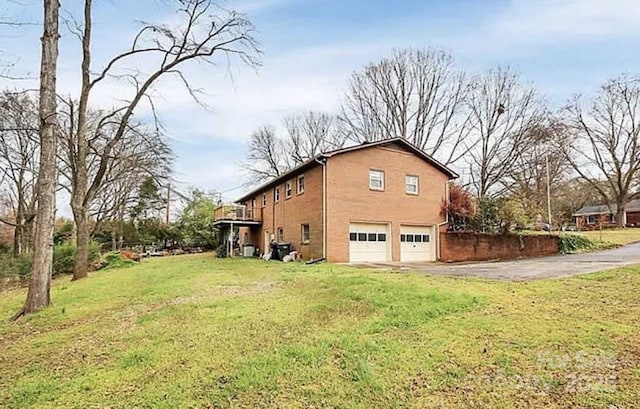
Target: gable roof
x,y
316,160
632,206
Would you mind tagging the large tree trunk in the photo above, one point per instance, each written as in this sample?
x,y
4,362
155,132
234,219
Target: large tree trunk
x,y
38,296
621,215
80,269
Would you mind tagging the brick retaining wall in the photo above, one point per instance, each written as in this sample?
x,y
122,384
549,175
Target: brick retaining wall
x,y
477,247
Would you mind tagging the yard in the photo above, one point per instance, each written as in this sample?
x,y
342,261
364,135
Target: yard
x,y
196,332
617,236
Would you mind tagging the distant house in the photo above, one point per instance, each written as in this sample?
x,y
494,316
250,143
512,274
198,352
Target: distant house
x,y
374,202
592,217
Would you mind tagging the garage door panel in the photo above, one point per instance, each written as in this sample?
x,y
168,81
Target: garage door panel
x,y
368,242
416,244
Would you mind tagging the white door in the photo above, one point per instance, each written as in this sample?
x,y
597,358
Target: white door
x,y
417,244
368,243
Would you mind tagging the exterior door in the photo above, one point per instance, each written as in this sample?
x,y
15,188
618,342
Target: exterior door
x,y
368,243
417,244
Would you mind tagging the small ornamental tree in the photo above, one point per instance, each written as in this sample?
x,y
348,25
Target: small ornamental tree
x,y
460,208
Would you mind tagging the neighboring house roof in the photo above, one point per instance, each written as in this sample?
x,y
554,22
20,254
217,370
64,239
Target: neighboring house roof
x,y
596,209
632,206
315,161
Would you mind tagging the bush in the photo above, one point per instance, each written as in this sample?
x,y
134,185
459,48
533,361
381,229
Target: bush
x,y
64,256
117,260
573,243
14,267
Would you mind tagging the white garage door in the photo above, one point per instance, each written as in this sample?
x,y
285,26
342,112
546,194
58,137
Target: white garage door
x,y
417,244
368,243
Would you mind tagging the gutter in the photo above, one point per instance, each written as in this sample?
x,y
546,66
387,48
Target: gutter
x,y
445,222
323,162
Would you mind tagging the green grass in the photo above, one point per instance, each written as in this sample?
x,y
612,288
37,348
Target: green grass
x,y
196,332
617,236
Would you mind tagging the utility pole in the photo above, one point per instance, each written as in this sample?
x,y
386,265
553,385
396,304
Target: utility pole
x,y
546,157
168,203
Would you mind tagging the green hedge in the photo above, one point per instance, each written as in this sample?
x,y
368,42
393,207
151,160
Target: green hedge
x,y
63,261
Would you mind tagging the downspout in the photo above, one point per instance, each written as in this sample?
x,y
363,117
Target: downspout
x,y
445,222
323,162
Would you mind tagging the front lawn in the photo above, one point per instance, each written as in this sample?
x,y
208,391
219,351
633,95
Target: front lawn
x,y
617,236
196,332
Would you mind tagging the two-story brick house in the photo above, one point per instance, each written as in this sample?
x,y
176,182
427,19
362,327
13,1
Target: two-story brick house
x,y
375,202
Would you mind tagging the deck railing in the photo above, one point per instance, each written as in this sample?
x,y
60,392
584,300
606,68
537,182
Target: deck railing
x,y
233,212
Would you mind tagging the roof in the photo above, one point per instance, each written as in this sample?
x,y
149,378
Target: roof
x,y
632,206
316,160
596,209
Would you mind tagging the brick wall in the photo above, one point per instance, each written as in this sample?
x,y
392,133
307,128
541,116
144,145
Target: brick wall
x,y
477,247
351,200
290,214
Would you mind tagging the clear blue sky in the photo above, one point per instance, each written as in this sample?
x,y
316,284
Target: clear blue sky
x,y
312,46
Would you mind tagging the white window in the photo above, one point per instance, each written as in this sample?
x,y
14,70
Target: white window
x,y
305,233
592,219
288,190
300,184
280,234
411,184
376,180
276,194
264,200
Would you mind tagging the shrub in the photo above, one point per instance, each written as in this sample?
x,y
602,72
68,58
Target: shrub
x,y
117,260
572,243
14,266
64,255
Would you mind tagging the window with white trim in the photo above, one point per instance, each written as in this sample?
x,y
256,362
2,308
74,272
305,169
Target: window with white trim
x,y
300,184
280,235
411,183
305,233
288,190
376,179
276,195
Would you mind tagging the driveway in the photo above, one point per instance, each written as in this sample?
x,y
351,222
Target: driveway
x,y
534,268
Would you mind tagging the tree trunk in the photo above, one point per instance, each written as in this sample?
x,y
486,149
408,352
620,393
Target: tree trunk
x,y
621,215
38,296
18,234
80,269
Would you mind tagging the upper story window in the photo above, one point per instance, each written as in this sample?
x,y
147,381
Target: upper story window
x,y
253,203
276,194
411,183
264,200
288,190
300,184
376,179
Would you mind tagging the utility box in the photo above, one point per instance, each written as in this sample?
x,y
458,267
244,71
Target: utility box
x,y
248,250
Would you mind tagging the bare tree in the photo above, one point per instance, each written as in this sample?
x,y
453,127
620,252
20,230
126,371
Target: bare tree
x,y
309,134
602,141
306,135
38,296
527,182
502,113
142,152
414,94
266,157
19,152
204,32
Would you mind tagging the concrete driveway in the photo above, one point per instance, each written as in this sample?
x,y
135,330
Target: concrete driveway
x,y
535,268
